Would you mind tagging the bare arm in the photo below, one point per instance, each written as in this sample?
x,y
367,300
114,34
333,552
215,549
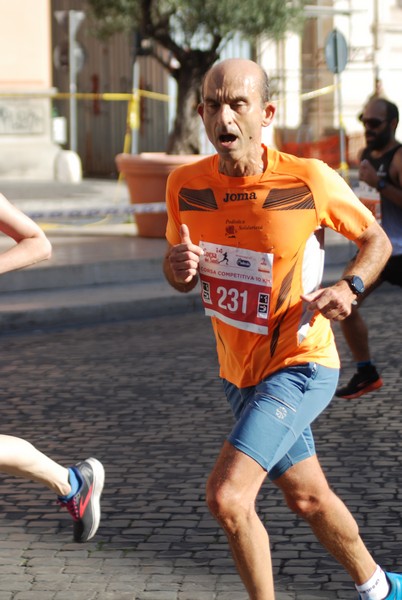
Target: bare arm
x,y
393,190
374,252
335,302
32,245
180,265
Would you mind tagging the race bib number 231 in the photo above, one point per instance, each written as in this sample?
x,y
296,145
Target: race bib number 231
x,y
236,286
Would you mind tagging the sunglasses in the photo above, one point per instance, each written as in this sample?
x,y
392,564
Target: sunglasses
x,y
371,123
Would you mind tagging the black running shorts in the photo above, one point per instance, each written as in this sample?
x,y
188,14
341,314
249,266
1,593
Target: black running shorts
x,y
393,271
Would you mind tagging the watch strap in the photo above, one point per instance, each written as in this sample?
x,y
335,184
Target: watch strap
x,y
382,183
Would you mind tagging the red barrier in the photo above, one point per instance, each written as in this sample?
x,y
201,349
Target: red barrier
x,y
327,149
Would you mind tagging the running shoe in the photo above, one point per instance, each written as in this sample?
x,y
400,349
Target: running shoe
x,y
361,383
395,581
84,507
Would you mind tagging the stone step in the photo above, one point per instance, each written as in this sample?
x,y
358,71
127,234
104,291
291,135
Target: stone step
x,y
37,309
130,260
78,275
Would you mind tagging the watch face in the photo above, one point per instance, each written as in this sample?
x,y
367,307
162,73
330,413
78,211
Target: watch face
x,y
357,284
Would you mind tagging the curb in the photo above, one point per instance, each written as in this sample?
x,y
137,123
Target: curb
x,y
91,304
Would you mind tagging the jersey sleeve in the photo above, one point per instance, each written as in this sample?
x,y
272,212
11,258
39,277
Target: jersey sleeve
x,y
172,207
338,206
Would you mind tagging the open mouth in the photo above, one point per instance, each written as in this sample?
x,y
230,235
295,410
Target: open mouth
x,y
227,138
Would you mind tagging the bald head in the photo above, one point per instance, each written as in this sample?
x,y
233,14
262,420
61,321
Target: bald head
x,y
238,70
234,111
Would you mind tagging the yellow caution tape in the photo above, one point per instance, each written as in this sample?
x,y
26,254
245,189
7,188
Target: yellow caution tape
x,y
328,89
108,97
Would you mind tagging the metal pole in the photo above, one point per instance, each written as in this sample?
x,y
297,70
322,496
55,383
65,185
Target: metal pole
x,y
135,107
75,17
343,167
72,81
376,48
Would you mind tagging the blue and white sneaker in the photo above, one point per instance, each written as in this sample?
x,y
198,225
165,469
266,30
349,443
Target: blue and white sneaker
x,y
395,580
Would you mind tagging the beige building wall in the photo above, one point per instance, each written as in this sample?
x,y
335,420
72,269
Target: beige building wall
x,y
25,45
308,105
26,146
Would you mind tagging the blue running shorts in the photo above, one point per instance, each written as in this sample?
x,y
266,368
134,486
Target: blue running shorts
x,y
273,418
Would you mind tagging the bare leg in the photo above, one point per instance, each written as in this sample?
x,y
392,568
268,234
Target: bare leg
x,y
21,459
307,493
355,329
355,332
231,493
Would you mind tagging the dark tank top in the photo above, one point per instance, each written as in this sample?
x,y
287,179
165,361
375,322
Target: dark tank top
x,y
382,164
391,219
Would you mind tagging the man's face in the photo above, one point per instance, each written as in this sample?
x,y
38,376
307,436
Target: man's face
x,y
233,112
378,131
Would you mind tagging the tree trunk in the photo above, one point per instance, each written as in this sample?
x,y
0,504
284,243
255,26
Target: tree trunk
x,y
185,135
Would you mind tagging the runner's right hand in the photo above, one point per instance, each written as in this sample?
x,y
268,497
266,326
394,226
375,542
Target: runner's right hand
x,y
184,258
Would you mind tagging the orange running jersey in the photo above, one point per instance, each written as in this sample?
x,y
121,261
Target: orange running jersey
x,y
263,242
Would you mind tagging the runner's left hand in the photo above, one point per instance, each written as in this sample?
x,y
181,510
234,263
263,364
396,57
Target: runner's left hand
x,y
333,302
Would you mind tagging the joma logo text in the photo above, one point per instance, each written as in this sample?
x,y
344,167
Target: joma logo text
x,y
235,197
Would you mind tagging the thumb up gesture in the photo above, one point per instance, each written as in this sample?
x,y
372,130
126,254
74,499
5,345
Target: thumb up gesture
x,y
184,258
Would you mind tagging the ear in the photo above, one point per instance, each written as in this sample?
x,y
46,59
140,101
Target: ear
x,y
200,110
268,114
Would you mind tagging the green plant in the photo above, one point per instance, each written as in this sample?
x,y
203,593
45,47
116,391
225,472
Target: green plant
x,y
194,32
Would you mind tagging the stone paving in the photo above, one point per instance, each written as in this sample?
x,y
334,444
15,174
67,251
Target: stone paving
x,y
143,396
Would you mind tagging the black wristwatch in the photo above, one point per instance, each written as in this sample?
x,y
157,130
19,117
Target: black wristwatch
x,y
355,283
382,183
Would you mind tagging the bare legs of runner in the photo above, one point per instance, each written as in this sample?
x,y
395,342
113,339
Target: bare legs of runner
x,y
21,459
231,494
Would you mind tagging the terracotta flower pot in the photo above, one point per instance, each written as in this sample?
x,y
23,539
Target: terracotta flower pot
x,y
146,176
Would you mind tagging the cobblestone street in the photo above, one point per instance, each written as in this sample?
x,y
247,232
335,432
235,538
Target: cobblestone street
x,y
144,398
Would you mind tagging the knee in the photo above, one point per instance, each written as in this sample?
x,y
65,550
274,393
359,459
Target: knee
x,y
308,504
225,504
219,498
